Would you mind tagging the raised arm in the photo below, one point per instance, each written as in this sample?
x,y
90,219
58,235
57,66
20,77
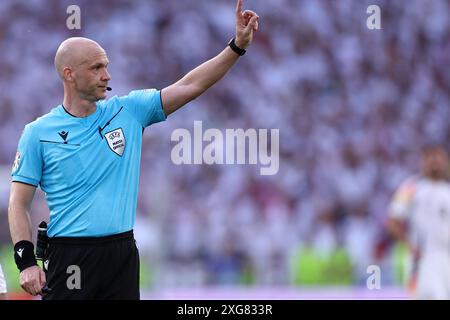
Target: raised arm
x,y
204,76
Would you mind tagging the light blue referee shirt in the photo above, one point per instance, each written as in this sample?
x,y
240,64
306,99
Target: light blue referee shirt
x,y
89,167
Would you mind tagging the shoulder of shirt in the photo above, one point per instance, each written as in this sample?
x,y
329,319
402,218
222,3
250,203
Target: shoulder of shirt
x,y
111,106
42,121
410,182
116,102
139,91
414,182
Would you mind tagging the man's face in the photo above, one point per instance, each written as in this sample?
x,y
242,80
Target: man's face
x,y
91,75
435,163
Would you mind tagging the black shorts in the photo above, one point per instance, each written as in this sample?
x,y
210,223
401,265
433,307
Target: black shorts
x,y
92,268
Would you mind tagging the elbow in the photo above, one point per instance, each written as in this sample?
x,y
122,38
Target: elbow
x,y
192,92
196,90
395,229
14,208
10,208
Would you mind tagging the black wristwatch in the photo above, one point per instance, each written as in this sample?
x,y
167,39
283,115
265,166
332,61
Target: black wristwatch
x,y
235,48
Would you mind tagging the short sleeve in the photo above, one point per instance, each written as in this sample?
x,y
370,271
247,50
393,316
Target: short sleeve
x,y
27,167
402,200
145,106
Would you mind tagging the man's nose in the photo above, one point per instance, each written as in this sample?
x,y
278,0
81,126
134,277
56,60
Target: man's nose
x,y
106,76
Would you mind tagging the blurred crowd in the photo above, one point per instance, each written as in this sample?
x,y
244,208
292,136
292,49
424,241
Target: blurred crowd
x,y
354,106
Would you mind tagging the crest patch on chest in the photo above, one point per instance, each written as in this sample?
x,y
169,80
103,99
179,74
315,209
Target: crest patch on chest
x,y
116,141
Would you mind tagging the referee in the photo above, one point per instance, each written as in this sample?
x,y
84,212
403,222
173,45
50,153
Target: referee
x,y
85,154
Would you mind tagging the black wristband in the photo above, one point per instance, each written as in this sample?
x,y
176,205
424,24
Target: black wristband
x,y
24,255
235,48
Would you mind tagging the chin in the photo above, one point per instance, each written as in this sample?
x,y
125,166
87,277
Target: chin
x,y
101,97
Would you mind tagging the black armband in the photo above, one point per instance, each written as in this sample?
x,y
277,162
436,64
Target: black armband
x,y
235,48
24,255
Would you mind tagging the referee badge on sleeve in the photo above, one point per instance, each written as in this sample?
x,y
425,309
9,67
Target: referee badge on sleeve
x,y
16,162
116,141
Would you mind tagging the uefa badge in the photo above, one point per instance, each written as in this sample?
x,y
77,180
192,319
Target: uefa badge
x,y
116,141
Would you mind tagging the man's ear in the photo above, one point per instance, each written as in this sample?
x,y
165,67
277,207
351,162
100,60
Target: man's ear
x,y
67,74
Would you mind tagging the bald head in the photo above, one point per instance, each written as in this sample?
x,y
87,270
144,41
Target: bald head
x,y
75,51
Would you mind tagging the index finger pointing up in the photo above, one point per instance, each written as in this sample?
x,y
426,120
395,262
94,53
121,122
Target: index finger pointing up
x,y
239,7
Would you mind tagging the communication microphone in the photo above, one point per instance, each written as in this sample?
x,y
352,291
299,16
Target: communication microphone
x,y
108,88
42,241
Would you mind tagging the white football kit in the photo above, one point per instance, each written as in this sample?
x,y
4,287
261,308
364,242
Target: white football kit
x,y
424,205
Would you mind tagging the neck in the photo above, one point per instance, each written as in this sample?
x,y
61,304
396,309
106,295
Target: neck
x,y
77,106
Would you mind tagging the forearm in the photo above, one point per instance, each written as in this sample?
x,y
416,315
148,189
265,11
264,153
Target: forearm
x,y
19,223
211,71
397,230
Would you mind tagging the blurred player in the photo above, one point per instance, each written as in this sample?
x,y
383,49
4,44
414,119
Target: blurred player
x,y
85,154
420,218
3,289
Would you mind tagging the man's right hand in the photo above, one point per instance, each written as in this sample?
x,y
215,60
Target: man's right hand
x,y
32,280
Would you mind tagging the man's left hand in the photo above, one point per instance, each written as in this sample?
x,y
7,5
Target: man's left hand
x,y
246,24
